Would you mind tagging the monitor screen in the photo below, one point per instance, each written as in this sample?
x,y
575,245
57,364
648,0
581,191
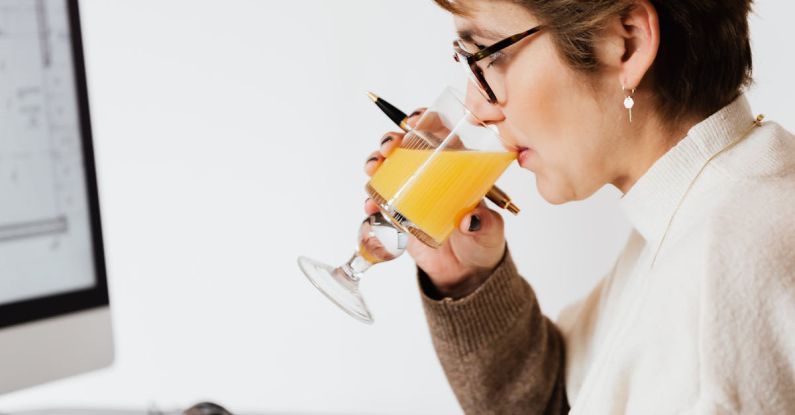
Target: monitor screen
x,y
51,258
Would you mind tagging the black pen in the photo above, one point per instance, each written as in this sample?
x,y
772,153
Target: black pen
x,y
495,194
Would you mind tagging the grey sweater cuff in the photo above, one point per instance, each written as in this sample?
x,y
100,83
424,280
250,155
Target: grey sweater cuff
x,y
463,325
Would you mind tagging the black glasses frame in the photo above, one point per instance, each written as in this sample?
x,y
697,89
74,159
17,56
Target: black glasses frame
x,y
473,58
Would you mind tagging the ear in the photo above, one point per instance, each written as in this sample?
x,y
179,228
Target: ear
x,y
631,43
640,43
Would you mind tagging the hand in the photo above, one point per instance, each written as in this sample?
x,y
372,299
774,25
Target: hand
x,y
471,252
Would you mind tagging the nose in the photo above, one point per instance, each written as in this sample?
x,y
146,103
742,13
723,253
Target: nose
x,y
487,112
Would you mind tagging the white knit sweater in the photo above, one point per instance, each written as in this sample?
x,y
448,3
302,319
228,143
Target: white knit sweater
x,y
710,326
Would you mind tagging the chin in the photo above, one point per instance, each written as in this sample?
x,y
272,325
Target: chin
x,y
554,193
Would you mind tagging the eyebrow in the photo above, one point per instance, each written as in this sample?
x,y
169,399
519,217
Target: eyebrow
x,y
468,34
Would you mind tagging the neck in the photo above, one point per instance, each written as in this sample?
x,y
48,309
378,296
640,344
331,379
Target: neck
x,y
649,141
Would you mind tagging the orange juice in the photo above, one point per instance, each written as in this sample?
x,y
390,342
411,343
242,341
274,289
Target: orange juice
x,y
364,251
435,189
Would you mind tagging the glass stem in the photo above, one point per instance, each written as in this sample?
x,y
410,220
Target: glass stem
x,y
354,268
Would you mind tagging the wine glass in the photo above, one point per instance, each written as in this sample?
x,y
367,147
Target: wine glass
x,y
442,169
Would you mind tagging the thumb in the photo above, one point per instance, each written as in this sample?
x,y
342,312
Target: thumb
x,y
483,225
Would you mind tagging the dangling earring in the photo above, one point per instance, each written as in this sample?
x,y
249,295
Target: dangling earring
x,y
629,102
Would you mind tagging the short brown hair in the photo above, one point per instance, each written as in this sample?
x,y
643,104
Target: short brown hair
x,y
704,58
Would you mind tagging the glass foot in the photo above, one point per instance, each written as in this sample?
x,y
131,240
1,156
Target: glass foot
x,y
340,288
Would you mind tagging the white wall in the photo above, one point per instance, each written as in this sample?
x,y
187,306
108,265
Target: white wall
x,y
230,138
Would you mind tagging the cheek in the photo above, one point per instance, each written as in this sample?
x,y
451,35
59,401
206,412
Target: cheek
x,y
552,110
542,103
536,112
532,92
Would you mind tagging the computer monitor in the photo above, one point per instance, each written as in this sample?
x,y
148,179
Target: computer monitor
x,y
54,309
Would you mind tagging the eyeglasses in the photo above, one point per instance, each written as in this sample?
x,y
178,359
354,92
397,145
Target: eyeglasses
x,y
470,60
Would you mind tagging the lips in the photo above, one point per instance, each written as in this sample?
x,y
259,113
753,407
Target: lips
x,y
524,155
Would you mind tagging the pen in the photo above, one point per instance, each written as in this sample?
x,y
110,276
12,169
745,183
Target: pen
x,y
495,194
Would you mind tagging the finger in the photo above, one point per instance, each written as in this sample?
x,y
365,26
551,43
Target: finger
x,y
484,225
389,142
432,127
370,207
415,116
374,160
431,122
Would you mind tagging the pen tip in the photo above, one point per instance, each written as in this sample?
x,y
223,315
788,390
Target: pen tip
x,y
372,96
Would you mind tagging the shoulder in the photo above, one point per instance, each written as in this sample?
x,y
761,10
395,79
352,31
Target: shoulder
x,y
751,214
767,152
750,237
748,221
748,290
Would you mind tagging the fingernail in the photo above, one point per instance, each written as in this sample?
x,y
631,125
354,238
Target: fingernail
x,y
417,112
474,223
371,159
386,139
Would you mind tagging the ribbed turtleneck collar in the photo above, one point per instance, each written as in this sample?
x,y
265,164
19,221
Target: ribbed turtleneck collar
x,y
652,200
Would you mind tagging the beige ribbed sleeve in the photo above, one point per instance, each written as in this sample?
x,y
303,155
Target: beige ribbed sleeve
x,y
501,355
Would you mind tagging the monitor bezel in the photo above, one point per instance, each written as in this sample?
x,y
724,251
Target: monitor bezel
x,y
39,308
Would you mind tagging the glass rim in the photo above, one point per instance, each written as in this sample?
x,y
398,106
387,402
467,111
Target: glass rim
x,y
459,96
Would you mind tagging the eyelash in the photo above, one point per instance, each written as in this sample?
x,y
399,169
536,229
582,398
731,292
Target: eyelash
x,y
493,58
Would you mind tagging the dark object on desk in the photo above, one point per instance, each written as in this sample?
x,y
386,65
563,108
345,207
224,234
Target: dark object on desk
x,y
206,408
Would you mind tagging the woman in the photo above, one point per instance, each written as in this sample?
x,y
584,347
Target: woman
x,y
698,314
